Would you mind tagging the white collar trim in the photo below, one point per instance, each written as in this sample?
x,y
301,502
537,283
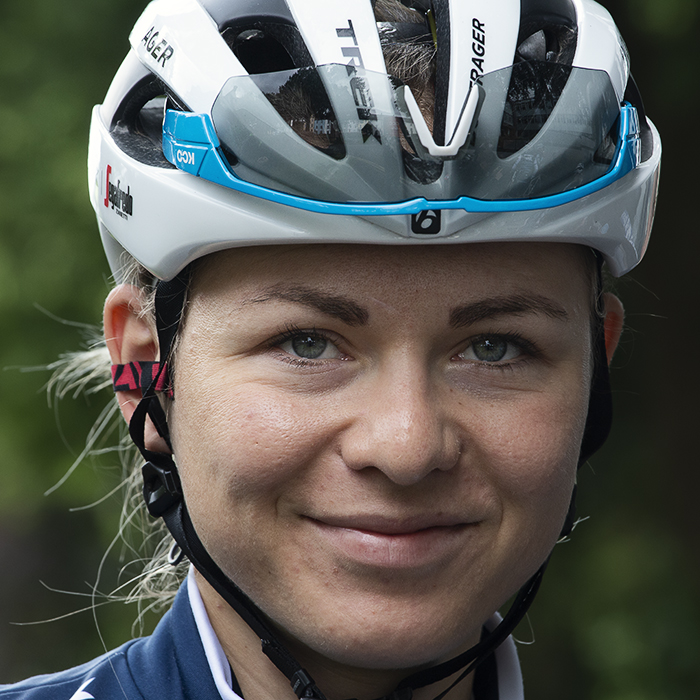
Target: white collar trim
x,y
510,679
510,682
218,663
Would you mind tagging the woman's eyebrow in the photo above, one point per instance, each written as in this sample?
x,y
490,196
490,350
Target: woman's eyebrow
x,y
515,304
347,310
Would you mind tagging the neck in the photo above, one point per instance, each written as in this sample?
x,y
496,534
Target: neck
x,y
259,679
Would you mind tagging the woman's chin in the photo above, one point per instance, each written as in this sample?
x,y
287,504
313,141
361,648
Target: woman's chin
x,y
383,647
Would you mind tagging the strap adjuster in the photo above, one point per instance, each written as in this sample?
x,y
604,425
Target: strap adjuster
x,y
161,488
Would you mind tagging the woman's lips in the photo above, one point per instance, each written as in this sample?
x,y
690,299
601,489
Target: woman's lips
x,y
412,543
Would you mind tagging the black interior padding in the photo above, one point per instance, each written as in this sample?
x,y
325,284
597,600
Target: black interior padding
x,y
557,20
264,47
560,12
142,92
138,129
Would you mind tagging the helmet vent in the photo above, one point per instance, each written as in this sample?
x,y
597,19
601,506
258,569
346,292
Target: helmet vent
x,y
534,90
548,31
302,101
541,68
258,51
137,125
555,44
267,47
273,47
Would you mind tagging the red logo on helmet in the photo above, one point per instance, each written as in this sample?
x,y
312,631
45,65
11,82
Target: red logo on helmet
x,y
122,202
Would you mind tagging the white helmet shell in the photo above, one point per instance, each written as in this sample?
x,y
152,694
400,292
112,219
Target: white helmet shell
x,y
166,217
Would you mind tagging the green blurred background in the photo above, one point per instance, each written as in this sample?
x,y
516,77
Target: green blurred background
x,y
618,617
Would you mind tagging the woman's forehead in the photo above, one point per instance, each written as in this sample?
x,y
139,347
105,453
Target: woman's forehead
x,y
419,271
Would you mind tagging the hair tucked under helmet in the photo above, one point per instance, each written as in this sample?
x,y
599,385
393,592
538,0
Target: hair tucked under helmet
x,y
253,122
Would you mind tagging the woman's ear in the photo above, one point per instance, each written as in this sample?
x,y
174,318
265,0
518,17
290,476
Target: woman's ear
x,y
131,337
613,324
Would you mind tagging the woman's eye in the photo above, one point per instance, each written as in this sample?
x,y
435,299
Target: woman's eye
x,y
310,346
491,349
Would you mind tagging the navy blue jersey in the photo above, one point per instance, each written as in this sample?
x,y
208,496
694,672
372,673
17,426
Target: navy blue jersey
x,y
168,665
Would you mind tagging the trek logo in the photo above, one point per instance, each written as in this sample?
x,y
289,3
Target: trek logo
x,y
427,222
122,202
158,47
351,52
358,85
478,50
81,693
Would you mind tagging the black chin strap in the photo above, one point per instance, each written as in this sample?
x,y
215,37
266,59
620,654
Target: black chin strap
x,y
178,522
478,653
164,498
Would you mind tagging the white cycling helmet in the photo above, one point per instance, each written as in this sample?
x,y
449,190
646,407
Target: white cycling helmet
x,y
246,122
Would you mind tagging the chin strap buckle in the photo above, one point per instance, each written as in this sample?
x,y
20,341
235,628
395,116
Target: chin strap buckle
x,y
304,686
161,487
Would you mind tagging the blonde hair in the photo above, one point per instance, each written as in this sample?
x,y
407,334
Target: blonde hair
x,y
142,538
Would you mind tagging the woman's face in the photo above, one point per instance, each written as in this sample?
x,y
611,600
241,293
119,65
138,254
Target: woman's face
x,y
379,444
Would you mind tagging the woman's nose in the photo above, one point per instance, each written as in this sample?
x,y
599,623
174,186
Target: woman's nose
x,y
402,427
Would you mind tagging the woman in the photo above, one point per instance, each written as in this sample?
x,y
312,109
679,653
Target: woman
x,y
360,336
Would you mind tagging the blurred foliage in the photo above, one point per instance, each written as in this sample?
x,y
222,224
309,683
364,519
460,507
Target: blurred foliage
x,y
619,613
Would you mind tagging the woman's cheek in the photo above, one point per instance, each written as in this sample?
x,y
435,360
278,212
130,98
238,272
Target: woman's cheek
x,y
246,444
236,457
541,489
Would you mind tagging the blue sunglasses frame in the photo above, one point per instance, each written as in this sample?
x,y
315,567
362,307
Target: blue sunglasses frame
x,y
190,143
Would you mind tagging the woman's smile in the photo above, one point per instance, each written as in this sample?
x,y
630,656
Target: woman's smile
x,y
409,544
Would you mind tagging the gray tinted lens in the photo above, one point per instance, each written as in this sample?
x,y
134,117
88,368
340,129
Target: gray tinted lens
x,y
337,133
